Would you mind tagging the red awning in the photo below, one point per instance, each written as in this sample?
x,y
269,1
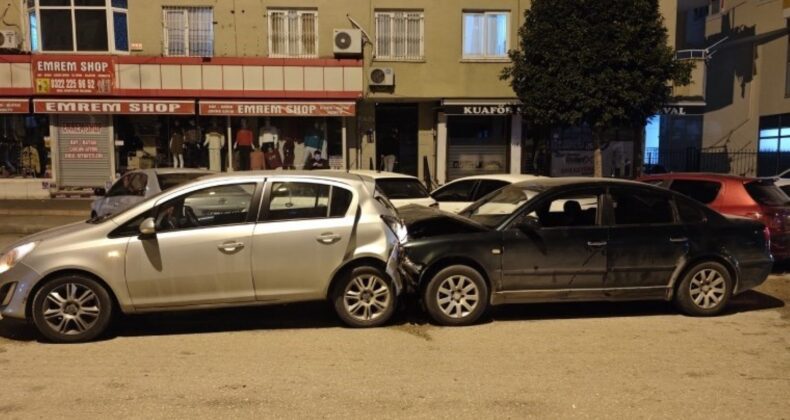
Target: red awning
x,y
14,106
114,106
278,108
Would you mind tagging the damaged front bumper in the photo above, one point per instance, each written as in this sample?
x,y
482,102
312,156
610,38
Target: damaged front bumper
x,y
410,272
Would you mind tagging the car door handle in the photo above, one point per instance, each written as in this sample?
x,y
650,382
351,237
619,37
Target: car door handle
x,y
680,239
596,243
328,238
230,246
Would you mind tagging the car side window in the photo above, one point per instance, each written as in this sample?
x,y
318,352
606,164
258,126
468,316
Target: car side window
x,y
129,184
633,207
455,191
703,191
689,211
121,187
487,187
306,200
213,206
573,209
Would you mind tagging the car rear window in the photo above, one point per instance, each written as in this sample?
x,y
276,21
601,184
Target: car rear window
x,y
400,188
703,191
168,181
766,193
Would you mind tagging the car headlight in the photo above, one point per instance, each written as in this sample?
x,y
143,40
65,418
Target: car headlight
x,y
15,255
397,227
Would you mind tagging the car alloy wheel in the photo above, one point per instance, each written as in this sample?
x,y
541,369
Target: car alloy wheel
x,y
457,296
367,297
707,288
71,309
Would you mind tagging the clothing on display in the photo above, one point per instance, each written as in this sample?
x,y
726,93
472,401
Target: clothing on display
x,y
177,149
269,136
288,149
215,141
29,160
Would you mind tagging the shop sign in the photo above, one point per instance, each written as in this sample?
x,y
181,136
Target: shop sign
x,y
500,109
682,110
14,106
120,106
69,75
85,149
284,109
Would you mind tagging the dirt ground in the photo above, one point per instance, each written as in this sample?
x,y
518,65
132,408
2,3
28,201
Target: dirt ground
x,y
634,360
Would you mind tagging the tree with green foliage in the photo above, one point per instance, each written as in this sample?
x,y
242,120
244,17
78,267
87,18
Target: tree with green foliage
x,y
603,64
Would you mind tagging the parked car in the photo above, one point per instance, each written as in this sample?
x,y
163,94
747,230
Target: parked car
x,y
458,194
135,186
537,241
782,181
402,190
755,198
226,240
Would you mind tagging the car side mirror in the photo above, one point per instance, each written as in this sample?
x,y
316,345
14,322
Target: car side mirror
x,y
528,226
148,227
99,192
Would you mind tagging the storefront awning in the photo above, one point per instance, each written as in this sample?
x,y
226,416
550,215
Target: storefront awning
x,y
113,106
14,106
278,108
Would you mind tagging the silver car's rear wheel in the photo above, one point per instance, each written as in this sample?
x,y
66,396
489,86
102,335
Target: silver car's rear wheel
x,y
72,308
457,296
364,298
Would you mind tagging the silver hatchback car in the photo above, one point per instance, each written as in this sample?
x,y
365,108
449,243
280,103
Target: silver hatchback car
x,y
227,240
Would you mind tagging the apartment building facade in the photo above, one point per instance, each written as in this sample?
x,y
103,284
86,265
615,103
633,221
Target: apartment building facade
x,y
93,87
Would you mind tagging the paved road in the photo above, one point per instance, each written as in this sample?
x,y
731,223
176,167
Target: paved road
x,y
553,360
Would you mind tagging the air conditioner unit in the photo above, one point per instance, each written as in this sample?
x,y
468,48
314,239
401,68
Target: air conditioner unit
x,y
9,40
381,76
347,42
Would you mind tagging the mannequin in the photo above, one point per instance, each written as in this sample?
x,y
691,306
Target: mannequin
x,y
215,141
268,135
243,144
313,140
177,145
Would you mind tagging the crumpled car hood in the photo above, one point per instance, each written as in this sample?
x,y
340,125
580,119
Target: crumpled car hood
x,y
423,222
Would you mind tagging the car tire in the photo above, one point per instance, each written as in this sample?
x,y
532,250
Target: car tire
x,y
456,295
364,297
71,309
704,290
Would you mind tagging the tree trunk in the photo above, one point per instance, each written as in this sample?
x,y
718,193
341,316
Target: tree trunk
x,y
639,149
597,156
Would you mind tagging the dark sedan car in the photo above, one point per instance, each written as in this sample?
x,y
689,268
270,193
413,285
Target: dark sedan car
x,y
580,239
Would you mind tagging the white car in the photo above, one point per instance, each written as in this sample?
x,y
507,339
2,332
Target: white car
x,y
456,195
401,190
135,186
783,181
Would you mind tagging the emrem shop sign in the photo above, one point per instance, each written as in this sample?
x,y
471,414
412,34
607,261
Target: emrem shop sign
x,y
316,109
119,106
69,75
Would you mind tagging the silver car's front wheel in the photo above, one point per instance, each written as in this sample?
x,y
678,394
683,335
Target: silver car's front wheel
x,y
71,309
365,298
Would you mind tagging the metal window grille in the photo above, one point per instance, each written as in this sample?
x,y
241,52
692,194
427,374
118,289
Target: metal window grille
x,y
400,35
188,31
293,33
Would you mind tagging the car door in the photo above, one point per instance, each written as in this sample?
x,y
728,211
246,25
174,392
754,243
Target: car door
x,y
305,232
201,251
455,196
646,241
557,244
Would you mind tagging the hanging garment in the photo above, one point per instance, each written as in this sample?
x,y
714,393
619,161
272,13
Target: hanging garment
x,y
29,160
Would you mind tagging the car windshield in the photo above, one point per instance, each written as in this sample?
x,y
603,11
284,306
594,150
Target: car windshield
x,y
168,181
493,209
766,193
402,188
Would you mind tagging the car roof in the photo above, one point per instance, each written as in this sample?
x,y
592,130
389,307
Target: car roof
x,y
381,174
699,176
546,183
511,178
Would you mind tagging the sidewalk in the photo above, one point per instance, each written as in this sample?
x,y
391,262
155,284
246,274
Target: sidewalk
x,y
31,216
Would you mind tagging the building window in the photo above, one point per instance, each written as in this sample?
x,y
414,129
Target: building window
x,y
787,71
293,33
78,25
189,31
774,145
399,35
486,35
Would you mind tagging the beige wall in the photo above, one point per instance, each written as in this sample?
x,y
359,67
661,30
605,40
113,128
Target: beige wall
x,y
746,77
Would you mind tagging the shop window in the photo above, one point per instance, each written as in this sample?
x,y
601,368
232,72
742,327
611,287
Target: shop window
x,y
399,35
78,25
24,146
188,31
485,35
293,33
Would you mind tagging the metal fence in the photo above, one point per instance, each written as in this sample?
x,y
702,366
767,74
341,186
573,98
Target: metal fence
x,y
715,159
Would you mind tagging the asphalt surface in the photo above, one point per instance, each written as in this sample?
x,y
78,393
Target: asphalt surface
x,y
634,360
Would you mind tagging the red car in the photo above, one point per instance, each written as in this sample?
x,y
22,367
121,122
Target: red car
x,y
755,198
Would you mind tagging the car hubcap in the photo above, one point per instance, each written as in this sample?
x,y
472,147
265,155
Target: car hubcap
x,y
71,309
457,296
707,288
366,297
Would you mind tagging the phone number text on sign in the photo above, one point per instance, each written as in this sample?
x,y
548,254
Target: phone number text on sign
x,y
69,75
